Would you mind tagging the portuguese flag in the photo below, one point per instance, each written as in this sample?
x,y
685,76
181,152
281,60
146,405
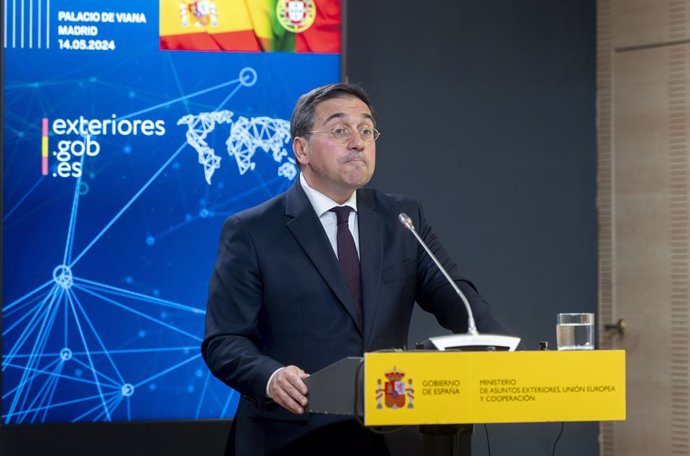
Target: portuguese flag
x,y
251,25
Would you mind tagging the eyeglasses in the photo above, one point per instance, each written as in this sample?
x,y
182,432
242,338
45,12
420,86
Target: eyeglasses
x,y
344,134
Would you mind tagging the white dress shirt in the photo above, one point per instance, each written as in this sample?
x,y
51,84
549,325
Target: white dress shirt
x,y
323,205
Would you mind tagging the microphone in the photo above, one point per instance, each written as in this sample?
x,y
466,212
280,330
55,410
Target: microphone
x,y
472,341
407,223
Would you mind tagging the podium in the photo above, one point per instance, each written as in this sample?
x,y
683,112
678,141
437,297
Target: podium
x,y
445,389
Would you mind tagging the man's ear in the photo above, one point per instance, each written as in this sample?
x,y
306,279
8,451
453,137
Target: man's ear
x,y
300,147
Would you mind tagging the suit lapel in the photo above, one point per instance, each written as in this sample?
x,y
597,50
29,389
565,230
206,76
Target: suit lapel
x,y
371,257
308,232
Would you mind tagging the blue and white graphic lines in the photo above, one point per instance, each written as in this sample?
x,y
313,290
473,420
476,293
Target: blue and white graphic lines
x,y
67,353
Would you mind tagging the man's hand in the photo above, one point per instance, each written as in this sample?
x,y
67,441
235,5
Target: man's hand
x,y
288,390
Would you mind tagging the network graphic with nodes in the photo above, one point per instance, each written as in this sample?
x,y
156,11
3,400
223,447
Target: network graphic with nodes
x,y
111,326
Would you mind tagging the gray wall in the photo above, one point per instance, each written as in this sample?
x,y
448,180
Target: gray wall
x,y
487,114
487,110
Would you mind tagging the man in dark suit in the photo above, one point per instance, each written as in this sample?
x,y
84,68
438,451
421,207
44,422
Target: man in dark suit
x,y
299,285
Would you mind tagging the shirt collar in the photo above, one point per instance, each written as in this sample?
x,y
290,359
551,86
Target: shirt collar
x,y
320,202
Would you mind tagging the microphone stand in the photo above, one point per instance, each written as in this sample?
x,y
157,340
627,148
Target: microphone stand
x,y
406,221
472,341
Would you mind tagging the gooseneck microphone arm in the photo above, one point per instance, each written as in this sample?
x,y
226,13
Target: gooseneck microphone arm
x,y
406,221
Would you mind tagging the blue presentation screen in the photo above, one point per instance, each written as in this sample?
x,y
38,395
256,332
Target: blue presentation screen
x,y
131,131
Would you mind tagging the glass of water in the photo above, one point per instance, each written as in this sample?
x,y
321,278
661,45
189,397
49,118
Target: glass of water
x,y
575,331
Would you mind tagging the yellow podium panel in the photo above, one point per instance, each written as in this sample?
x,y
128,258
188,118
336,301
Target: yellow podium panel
x,y
403,388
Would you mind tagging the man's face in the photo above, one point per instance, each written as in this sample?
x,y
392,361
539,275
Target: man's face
x,y
330,166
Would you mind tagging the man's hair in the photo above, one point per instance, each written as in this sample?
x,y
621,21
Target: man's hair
x,y
302,120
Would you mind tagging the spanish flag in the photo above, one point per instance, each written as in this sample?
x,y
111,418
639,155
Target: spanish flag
x,y
251,25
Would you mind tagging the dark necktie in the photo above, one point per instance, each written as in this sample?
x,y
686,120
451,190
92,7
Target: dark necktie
x,y
347,255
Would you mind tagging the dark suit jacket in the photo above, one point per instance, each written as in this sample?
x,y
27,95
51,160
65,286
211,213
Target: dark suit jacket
x,y
277,297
